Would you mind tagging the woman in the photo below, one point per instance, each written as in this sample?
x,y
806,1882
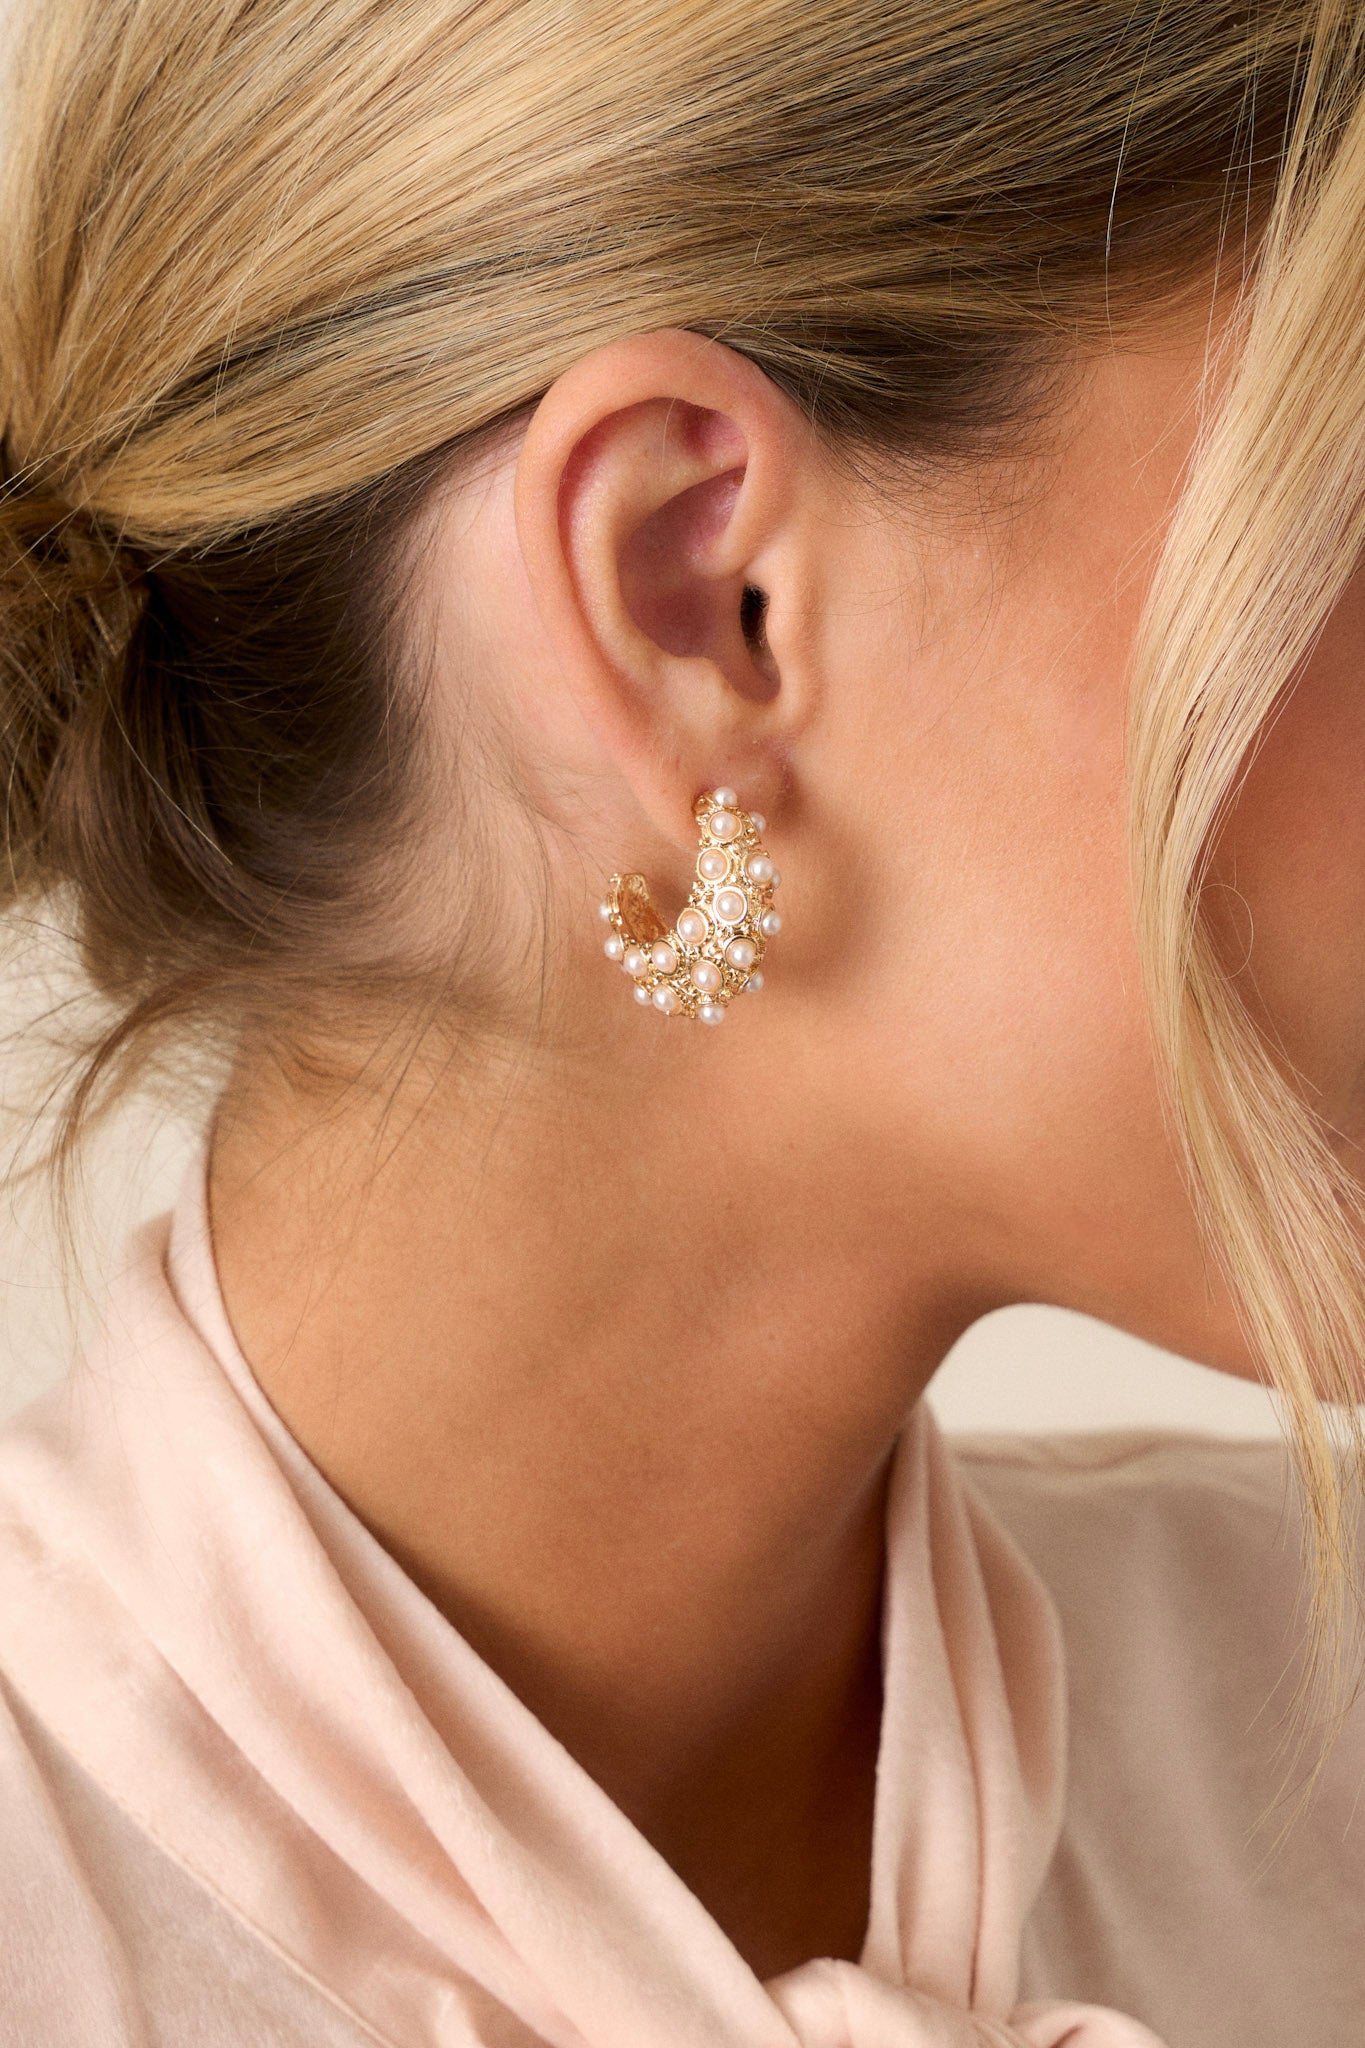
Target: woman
x,y
851,512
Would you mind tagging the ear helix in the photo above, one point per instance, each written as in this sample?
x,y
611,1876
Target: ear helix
x,y
714,951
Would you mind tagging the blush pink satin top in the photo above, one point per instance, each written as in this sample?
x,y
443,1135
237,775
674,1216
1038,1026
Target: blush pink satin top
x,y
255,1789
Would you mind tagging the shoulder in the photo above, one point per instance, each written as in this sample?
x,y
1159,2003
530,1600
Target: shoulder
x,y
1176,1488
62,1976
1171,1556
110,1943
1175,1564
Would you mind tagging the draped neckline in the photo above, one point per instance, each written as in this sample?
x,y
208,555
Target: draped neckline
x,y
221,1642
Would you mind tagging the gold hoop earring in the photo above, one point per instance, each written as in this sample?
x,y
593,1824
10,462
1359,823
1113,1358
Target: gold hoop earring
x,y
714,951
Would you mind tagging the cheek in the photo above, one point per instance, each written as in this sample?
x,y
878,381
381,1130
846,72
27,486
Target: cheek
x,y
1032,979
1008,974
1009,997
1287,902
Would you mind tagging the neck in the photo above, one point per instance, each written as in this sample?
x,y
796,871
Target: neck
x,y
624,1408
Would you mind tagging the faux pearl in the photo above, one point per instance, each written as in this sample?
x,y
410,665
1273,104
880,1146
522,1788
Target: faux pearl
x,y
758,821
770,922
724,825
635,960
740,953
614,947
642,995
725,797
692,927
754,983
712,1013
712,864
759,867
776,879
663,956
707,976
730,905
604,912
665,998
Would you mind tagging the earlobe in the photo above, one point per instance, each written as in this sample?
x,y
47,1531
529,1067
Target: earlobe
x,y
652,498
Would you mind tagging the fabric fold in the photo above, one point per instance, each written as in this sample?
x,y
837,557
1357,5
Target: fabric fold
x,y
206,1627
836,2005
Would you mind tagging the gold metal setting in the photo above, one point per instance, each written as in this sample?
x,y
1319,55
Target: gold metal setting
x,y
713,951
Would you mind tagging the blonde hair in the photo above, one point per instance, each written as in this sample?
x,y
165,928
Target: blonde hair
x,y
1269,527
266,267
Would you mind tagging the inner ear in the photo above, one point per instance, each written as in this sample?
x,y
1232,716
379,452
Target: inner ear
x,y
664,579
674,594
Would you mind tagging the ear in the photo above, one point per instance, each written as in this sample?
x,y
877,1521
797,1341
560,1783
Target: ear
x,y
662,516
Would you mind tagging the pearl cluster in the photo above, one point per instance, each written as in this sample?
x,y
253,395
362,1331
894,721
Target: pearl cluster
x,y
712,953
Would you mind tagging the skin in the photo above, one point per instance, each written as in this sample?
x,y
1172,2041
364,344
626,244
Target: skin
x,y
609,1340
